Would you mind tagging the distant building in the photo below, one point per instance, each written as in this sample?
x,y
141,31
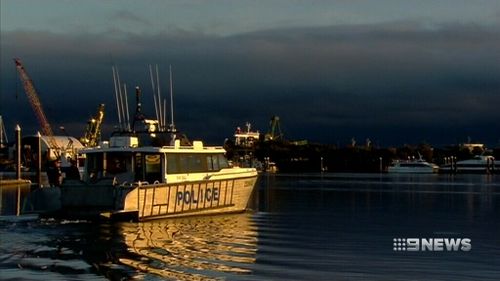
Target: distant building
x,y
67,149
472,146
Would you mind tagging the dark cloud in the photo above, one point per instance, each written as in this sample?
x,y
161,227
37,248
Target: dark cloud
x,y
394,83
129,17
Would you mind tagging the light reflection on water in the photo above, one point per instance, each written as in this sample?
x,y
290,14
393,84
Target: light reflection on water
x,y
204,248
305,227
200,248
340,227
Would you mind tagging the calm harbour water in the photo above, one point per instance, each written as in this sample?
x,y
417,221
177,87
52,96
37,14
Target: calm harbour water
x,y
304,227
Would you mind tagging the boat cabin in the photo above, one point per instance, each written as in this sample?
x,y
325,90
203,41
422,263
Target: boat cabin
x,y
127,163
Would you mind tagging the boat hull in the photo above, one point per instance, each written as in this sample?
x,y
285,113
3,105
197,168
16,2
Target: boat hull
x,y
470,170
420,170
148,201
190,198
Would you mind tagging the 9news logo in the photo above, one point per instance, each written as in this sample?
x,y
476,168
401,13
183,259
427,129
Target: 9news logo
x,y
431,244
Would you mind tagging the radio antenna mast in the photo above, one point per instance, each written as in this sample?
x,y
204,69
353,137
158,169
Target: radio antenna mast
x,y
154,91
172,124
159,98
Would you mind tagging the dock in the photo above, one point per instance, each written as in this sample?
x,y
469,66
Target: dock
x,y
12,182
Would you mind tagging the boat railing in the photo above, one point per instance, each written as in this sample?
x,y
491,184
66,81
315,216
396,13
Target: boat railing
x,y
137,183
191,147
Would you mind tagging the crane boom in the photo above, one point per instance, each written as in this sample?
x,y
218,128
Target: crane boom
x,y
274,129
3,134
29,88
93,131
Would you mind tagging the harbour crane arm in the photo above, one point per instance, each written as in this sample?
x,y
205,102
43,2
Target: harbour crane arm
x,y
3,134
274,129
93,130
34,100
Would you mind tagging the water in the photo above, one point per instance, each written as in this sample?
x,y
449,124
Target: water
x,y
305,227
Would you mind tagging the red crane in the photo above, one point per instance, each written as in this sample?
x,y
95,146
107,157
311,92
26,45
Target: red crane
x,y
29,88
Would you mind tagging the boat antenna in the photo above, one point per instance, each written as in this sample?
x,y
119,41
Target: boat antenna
x,y
164,112
120,100
116,96
126,105
138,111
172,124
159,97
154,91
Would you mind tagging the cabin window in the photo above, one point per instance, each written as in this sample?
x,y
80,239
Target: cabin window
x,y
222,162
211,165
183,163
215,162
153,163
117,163
94,165
148,167
152,167
139,173
191,163
195,163
172,164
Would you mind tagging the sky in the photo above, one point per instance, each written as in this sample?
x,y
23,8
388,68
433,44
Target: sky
x,y
396,72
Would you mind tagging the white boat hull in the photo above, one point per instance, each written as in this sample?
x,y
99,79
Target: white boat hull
x,y
470,170
413,167
143,202
480,165
194,198
419,170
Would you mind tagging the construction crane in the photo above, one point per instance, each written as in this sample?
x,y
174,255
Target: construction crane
x,y
29,88
274,130
3,134
93,131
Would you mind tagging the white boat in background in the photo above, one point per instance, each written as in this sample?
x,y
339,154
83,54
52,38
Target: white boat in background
x,y
478,164
246,138
418,166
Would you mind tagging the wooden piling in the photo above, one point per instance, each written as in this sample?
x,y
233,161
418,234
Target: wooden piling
x,y
18,152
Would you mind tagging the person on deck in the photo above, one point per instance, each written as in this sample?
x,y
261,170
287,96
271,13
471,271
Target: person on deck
x,y
72,172
54,173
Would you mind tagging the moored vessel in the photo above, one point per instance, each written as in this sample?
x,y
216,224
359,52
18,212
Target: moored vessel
x,y
478,164
418,166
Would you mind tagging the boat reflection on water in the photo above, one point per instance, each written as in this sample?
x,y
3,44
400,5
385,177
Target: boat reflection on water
x,y
12,195
197,248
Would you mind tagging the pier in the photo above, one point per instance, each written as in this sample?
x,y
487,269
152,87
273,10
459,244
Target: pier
x,y
13,182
